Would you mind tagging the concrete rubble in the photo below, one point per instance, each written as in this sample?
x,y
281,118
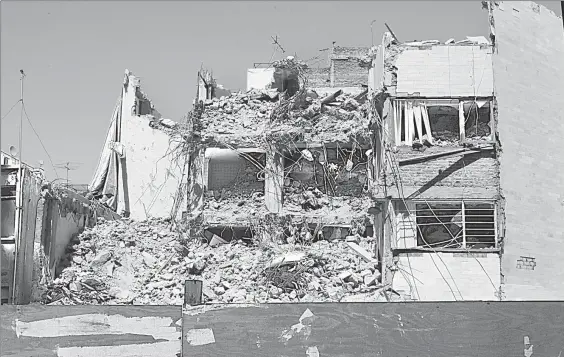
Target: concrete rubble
x,y
242,118
127,262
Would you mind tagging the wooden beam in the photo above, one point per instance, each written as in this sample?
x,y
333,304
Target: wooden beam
x,y
409,123
418,120
427,123
399,108
461,121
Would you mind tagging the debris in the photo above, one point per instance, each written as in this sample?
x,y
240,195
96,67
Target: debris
x,y
331,98
306,154
153,270
101,259
287,259
361,252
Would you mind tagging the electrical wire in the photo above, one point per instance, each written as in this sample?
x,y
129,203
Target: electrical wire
x,y
40,141
5,115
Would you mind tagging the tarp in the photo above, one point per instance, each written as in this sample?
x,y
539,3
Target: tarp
x,y
104,181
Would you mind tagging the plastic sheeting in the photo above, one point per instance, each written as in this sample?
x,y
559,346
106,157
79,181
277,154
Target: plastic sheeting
x,y
105,177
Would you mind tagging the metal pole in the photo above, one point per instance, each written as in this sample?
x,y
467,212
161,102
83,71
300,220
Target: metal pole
x,y
22,75
19,189
372,33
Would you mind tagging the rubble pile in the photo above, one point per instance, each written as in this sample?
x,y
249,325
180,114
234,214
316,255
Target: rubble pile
x,y
239,118
126,262
244,197
245,118
337,118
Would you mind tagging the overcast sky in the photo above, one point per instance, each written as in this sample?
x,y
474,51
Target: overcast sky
x,y
75,53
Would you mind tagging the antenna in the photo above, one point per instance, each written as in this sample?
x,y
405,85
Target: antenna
x,y
69,166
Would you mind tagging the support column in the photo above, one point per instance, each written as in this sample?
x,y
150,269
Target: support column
x,y
274,181
387,230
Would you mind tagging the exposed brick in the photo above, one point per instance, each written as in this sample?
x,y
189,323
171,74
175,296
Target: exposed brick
x,y
318,77
348,73
346,52
473,171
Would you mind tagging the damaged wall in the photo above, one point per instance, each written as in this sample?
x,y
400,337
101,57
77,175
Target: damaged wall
x,y
138,163
318,77
65,214
347,68
448,276
470,176
442,71
259,78
529,76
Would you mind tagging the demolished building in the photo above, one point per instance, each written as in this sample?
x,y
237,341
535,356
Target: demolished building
x,y
415,149
268,152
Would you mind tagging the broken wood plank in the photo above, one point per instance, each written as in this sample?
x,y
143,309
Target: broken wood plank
x,y
400,122
375,329
418,123
461,121
408,123
331,97
427,123
361,252
90,331
397,123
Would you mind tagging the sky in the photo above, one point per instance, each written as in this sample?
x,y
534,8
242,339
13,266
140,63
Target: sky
x,y
74,54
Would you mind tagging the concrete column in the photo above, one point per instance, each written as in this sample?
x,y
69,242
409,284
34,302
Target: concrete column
x,y
274,181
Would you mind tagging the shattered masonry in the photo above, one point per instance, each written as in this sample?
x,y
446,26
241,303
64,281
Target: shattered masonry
x,y
376,178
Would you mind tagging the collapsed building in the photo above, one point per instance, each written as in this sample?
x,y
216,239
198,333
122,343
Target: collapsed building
x,y
414,149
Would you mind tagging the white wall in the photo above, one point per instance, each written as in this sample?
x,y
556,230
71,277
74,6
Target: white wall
x,y
448,276
150,178
445,71
259,78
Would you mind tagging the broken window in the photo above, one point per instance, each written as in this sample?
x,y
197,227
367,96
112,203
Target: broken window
x,y
441,120
233,172
456,225
442,225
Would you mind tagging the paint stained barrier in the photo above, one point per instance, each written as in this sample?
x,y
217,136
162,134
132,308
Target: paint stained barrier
x,y
97,324
200,337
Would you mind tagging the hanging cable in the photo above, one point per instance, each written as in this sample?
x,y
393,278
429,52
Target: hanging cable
x,y
40,141
5,115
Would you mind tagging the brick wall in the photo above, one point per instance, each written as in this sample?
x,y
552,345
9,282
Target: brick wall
x,y
445,71
344,52
348,73
472,176
318,77
448,276
529,80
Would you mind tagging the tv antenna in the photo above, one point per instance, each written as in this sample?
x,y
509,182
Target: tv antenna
x,y
69,166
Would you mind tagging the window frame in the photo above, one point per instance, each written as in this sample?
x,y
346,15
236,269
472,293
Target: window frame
x,y
400,107
462,203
